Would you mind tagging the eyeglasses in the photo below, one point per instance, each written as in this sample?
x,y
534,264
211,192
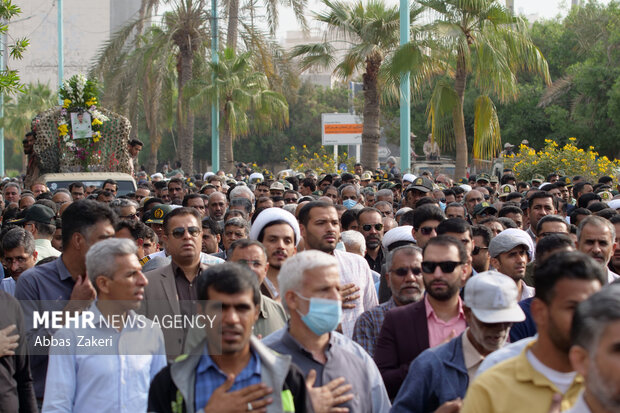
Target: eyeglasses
x,y
445,266
427,230
403,271
251,263
290,200
130,216
180,231
477,250
368,227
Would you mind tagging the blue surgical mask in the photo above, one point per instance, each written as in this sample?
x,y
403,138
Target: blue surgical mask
x,y
349,203
442,205
323,315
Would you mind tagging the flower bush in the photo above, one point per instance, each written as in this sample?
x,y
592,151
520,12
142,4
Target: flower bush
x,y
320,161
568,160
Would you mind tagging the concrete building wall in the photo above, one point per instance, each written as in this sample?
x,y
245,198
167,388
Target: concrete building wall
x,y
87,26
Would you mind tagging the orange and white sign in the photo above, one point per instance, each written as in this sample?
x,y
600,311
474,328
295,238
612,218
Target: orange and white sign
x,y
341,129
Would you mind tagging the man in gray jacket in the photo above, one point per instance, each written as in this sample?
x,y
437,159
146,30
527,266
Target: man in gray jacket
x,y
230,370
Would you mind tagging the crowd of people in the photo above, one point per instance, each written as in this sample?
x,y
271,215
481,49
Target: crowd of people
x,y
367,291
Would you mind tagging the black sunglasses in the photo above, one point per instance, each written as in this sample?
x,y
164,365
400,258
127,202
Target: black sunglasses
x,y
403,271
445,266
180,231
368,227
477,250
427,230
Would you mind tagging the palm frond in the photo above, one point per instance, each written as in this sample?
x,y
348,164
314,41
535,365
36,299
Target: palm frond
x,y
487,137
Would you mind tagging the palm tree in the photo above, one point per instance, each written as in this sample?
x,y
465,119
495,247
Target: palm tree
x,y
246,102
19,111
478,39
369,33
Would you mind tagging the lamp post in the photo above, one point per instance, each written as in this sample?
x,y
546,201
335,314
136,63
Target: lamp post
x,y
405,101
61,61
215,106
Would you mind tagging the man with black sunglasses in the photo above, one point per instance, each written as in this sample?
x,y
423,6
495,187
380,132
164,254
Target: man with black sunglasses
x,y
408,331
172,289
371,226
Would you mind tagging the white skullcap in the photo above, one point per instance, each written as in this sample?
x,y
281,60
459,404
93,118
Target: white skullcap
x,y
466,187
614,203
256,175
157,175
409,177
398,234
274,214
544,185
206,175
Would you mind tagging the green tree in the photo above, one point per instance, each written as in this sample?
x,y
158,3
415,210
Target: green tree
x,y
18,114
9,79
246,102
477,39
369,32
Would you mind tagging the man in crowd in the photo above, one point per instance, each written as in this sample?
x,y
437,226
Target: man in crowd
x,y
597,238
431,321
172,289
426,218
63,283
210,236
39,221
33,166
231,370
419,188
320,229
77,191
540,204
176,191
16,389
18,255
595,334
110,185
473,198
279,232
139,233
439,376
11,193
371,227
510,252
307,279
235,228
480,258
134,146
217,206
75,374
404,279
542,373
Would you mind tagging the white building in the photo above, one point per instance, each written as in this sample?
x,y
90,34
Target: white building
x,y
87,26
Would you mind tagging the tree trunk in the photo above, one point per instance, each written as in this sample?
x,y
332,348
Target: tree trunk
x,y
372,111
458,119
226,145
233,24
185,116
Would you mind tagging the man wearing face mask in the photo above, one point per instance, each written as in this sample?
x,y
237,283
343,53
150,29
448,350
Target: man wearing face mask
x,y
439,377
349,196
309,284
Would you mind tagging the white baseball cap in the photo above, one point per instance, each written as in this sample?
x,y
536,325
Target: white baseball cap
x,y
493,298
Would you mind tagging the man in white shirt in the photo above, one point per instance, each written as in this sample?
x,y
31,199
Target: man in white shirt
x,y
39,221
121,351
320,229
595,337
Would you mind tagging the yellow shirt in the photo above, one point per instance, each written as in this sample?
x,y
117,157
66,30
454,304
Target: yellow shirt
x,y
515,386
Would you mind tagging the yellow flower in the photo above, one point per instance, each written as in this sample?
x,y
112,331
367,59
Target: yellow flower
x,y
292,148
96,122
304,146
91,102
63,129
66,103
96,139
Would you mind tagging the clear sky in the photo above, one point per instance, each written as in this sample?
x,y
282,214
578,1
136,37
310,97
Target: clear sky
x,y
547,9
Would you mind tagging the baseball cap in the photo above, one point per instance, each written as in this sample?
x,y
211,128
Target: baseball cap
x,y
506,189
277,186
484,206
37,213
493,298
157,214
538,178
509,239
421,183
483,177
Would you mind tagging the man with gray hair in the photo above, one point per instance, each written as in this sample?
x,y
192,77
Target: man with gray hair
x,y
596,237
134,346
354,242
595,335
309,285
384,195
235,228
125,209
11,193
241,191
404,278
18,255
